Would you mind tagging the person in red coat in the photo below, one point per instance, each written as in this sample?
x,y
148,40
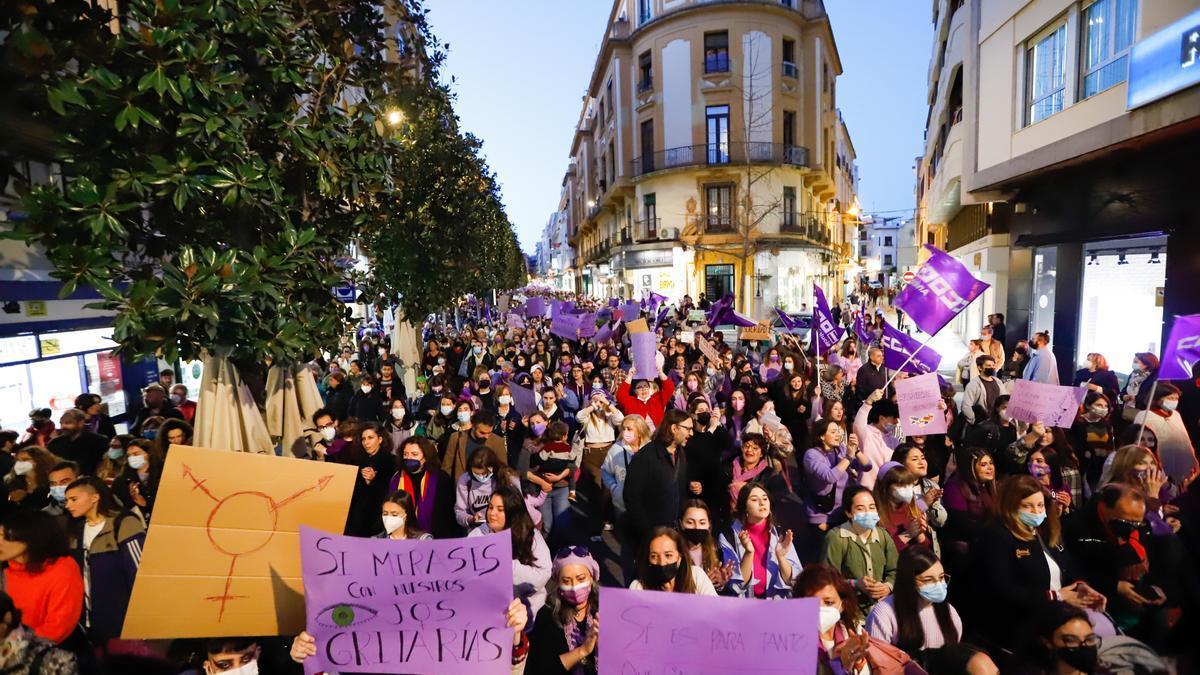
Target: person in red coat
x,y
40,575
645,400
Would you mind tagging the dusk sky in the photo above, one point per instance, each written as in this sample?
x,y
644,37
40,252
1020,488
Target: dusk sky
x,y
521,69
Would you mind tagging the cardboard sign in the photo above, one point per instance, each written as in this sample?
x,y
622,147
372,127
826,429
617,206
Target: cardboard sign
x,y
220,556
918,399
687,337
652,633
695,315
709,351
637,326
408,606
761,332
1051,404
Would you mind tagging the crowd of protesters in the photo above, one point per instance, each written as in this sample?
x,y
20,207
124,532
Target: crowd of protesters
x,y
765,472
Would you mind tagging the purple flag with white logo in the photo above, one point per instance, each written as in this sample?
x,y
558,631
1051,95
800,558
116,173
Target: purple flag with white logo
x,y
942,288
860,329
1183,349
662,314
828,332
785,319
897,347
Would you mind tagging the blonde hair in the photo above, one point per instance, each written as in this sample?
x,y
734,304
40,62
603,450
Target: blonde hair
x,y
1127,457
639,427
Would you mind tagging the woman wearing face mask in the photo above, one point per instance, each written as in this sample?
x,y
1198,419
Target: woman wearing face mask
x,y
1175,450
530,556
970,499
846,647
510,428
664,565
995,433
107,545
861,550
28,484
399,516
1046,467
1142,376
765,561
566,632
372,455
400,424
366,404
475,487
916,616
690,387
112,464
707,474
635,433
551,468
598,420
900,513
1098,378
443,419
1024,563
419,474
696,526
1063,642
137,487
1092,435
737,415
771,367
848,359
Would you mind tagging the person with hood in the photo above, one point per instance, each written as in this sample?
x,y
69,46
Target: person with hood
x,y
366,405
107,545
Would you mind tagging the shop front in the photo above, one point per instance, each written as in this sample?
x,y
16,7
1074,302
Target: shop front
x,y
785,279
650,270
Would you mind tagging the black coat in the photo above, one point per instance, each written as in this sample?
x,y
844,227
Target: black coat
x,y
366,407
86,450
868,379
366,502
704,465
1014,582
547,642
393,390
168,410
655,488
337,401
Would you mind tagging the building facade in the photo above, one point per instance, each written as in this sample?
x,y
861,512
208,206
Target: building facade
x,y
879,246
710,157
555,258
1057,139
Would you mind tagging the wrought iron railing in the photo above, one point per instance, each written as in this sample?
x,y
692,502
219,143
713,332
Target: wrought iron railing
x,y
720,153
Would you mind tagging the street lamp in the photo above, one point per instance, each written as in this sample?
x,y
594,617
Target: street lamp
x,y
395,116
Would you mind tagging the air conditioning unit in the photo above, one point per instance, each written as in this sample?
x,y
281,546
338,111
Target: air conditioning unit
x,y
668,233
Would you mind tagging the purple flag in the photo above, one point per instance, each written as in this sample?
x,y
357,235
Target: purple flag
x,y
828,332
565,326
898,346
613,302
630,311
1183,349
656,299
423,606
604,334
662,314
860,329
785,319
717,308
942,288
524,399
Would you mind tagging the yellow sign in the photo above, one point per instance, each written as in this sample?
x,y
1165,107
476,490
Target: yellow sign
x,y
50,346
761,332
35,308
222,556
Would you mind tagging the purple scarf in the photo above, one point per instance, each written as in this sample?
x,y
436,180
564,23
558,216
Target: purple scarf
x,y
744,476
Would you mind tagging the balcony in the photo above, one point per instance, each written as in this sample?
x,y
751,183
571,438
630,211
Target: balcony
x,y
719,154
806,226
645,85
648,229
791,70
717,62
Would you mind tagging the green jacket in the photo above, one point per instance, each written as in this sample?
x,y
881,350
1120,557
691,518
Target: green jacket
x,y
855,559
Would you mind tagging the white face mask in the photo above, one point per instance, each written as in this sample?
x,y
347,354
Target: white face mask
x,y
22,467
247,669
135,462
329,433
397,414
1170,404
504,399
446,409
176,399
464,417
392,523
366,389
904,493
828,617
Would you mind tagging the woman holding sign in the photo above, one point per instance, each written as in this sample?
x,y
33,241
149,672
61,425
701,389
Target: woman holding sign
x,y
566,631
765,559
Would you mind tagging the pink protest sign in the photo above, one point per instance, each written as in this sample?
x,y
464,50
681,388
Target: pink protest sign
x,y
918,398
407,606
1051,404
653,633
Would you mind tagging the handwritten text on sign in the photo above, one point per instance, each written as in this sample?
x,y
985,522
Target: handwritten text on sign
x,y
1051,404
918,398
653,633
383,606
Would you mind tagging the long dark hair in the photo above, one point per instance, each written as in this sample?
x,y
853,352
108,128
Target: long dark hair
x,y
910,635
518,522
683,576
358,454
405,502
983,494
709,555
43,536
744,496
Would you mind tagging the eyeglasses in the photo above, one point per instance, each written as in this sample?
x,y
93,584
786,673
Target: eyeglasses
x,y
581,551
1071,642
689,427
921,581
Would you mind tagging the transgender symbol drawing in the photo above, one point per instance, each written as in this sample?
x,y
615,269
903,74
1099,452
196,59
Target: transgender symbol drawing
x,y
247,506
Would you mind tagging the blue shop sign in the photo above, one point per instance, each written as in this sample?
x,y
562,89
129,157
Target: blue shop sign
x,y
1165,62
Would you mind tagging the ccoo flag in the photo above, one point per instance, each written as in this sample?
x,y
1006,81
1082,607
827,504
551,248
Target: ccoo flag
x,y
860,329
1183,349
828,332
942,288
898,346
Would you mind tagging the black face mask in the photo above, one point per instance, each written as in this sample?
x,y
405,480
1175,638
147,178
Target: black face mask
x,y
659,575
989,372
695,535
704,419
1081,658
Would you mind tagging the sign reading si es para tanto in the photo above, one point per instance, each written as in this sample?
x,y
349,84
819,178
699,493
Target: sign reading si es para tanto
x,y
385,606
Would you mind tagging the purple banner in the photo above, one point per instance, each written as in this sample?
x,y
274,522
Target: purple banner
x,y
918,398
535,306
566,326
860,329
656,633
407,606
613,302
630,311
898,346
587,325
604,334
1051,404
662,314
786,320
942,288
828,332
1183,349
644,348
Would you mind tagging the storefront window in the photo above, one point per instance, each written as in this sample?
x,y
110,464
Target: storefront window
x,y
1045,277
56,383
104,378
1120,308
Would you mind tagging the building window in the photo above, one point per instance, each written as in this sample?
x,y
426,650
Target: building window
x,y
647,160
609,97
650,214
789,59
612,163
643,11
645,72
717,119
1108,28
1045,74
862,250
716,52
929,239
718,280
887,241
789,207
718,206
887,259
